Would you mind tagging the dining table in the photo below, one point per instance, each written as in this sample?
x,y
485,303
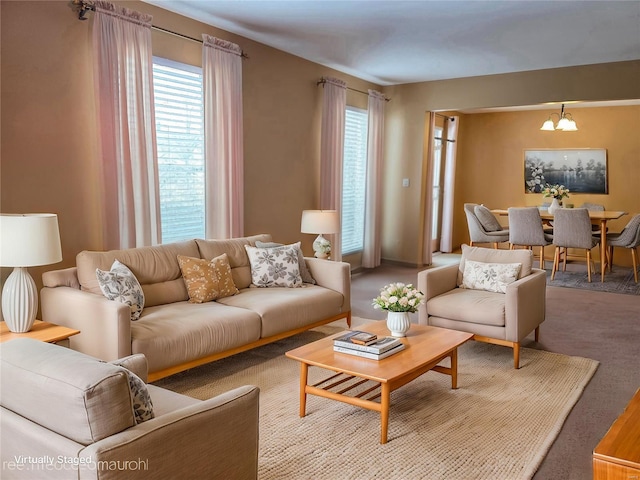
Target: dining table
x,y
600,218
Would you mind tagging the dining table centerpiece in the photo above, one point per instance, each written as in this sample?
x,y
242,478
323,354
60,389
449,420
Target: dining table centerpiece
x,y
398,300
558,192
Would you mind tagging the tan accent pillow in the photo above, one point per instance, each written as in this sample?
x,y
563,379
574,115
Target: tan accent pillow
x,y
200,279
222,267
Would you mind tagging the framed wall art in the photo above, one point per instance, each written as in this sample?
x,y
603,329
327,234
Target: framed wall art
x,y
581,170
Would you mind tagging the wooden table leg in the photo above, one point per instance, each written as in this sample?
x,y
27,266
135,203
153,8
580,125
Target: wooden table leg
x,y
603,247
304,373
385,400
454,368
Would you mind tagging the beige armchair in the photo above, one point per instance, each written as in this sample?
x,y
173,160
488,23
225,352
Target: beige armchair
x,y
493,317
68,415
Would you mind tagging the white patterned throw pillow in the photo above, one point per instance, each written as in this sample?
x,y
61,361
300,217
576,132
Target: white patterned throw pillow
x,y
275,266
492,277
121,285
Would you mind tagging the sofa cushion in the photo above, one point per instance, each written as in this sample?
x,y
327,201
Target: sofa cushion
x,y
275,266
238,259
77,396
491,277
302,263
493,255
200,278
121,285
156,268
169,335
487,219
282,309
473,306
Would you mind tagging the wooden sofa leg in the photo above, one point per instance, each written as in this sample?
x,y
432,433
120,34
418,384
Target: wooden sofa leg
x,y
537,334
516,355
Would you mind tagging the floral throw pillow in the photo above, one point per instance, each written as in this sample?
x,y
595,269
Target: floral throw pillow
x,y
142,405
275,266
121,285
302,263
492,277
200,278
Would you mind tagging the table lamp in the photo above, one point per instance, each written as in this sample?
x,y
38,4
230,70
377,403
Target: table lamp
x,y
26,240
320,221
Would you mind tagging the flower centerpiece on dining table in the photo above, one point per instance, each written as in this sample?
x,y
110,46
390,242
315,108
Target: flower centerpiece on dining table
x,y
398,300
558,192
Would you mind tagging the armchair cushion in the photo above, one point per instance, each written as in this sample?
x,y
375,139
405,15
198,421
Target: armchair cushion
x,y
491,255
491,277
471,306
487,219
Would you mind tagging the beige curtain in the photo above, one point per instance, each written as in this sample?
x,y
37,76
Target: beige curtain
x,y
123,72
373,210
334,104
224,156
427,197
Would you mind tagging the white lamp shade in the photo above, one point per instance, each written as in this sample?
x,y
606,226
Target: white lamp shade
x,y
29,240
563,123
320,221
570,126
548,126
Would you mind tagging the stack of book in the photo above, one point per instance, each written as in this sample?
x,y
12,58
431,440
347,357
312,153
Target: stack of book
x,y
367,345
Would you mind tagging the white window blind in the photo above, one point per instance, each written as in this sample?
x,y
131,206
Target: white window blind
x,y
354,180
180,142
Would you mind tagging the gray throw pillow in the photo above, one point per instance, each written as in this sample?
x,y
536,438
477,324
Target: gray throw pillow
x,y
121,285
302,263
487,219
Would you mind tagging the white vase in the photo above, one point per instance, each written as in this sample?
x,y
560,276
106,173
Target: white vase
x,y
398,323
555,205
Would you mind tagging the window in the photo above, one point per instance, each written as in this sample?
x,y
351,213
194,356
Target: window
x,y
180,143
354,180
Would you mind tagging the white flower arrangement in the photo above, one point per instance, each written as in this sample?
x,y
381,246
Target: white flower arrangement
x,y
555,191
398,297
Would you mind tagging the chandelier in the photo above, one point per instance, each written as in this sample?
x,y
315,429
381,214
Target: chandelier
x,y
566,123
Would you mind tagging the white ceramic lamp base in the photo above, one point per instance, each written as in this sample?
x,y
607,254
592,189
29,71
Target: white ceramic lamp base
x,y
19,301
321,247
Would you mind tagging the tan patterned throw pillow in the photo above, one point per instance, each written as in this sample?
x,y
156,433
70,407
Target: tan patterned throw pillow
x,y
200,279
226,286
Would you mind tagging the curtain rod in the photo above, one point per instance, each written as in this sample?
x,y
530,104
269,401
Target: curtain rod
x,y
323,81
443,116
84,6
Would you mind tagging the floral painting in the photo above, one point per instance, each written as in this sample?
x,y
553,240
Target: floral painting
x,y
581,170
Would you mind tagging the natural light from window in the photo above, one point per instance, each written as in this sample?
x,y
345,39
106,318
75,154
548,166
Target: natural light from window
x,y
180,142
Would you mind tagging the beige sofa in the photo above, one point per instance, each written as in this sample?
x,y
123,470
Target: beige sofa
x,y
174,334
66,415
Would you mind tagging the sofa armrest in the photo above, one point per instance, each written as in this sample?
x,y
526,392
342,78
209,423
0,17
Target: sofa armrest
x,y
433,282
333,275
216,438
105,325
525,306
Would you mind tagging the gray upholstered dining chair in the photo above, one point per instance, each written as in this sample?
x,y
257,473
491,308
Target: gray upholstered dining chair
x,y
629,237
525,230
594,207
572,229
484,226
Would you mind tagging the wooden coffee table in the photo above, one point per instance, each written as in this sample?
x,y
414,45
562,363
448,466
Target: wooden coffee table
x,y
425,348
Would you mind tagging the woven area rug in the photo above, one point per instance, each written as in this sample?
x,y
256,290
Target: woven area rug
x,y
619,281
498,424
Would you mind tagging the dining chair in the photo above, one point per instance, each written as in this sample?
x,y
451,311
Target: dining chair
x,y
594,207
629,237
484,226
525,230
572,229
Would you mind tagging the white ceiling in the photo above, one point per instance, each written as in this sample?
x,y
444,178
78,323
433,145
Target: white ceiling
x,y
395,42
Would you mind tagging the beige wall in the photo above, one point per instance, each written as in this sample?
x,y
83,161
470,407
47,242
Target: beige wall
x,y
49,144
49,150
495,147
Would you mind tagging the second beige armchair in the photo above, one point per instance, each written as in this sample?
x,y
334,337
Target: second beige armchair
x,y
503,317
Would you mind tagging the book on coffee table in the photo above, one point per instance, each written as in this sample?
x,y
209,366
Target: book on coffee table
x,y
372,356
381,345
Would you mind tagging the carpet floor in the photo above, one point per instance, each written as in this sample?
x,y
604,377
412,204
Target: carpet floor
x,y
498,424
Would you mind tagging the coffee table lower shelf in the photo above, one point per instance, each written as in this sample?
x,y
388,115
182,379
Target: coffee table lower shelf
x,y
368,383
